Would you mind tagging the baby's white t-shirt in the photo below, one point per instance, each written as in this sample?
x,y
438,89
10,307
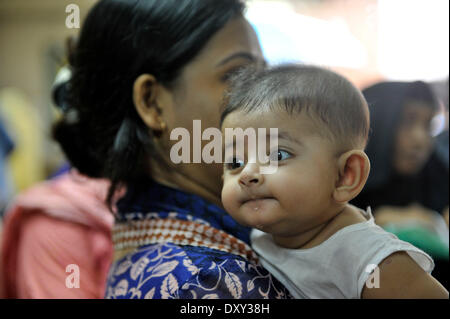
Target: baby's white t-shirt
x,y
340,266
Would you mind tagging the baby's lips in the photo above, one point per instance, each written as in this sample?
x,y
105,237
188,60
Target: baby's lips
x,y
253,196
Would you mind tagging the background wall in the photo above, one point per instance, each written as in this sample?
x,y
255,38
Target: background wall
x,y
32,47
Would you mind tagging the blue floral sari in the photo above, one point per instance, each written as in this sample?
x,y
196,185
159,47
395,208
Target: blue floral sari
x,y
177,245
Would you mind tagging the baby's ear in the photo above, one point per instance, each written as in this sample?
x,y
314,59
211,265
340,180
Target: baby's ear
x,y
354,167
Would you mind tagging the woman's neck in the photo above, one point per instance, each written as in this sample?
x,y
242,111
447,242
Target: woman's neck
x,y
176,179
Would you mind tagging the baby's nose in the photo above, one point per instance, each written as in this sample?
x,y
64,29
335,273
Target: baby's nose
x,y
248,181
250,177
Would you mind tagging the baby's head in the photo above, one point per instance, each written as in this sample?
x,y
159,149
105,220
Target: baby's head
x,y
323,124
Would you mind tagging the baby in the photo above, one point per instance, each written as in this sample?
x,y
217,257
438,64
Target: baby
x,y
306,233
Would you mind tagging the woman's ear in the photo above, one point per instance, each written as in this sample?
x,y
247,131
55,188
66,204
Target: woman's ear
x,y
150,100
354,167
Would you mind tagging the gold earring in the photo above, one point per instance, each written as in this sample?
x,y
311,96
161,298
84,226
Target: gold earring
x,y
159,132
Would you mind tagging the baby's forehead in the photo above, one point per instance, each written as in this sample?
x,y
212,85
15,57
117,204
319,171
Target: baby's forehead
x,y
289,122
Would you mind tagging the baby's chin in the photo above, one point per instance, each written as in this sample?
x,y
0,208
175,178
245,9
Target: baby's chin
x,y
260,214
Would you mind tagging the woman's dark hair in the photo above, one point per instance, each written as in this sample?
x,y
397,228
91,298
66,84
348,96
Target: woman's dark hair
x,y
102,134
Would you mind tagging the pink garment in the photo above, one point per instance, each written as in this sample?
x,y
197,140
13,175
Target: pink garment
x,y
52,225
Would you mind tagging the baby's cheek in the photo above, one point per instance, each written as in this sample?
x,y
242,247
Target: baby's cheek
x,y
231,204
287,188
229,199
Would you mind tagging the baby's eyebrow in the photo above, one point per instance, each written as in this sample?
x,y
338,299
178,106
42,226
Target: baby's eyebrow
x,y
281,135
286,136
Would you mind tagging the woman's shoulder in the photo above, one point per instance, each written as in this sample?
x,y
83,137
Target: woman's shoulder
x,y
170,271
37,252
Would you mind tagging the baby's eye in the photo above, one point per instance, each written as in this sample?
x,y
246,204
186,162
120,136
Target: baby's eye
x,y
280,155
235,164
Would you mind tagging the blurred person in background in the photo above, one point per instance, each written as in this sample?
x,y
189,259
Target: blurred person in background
x,y
53,224
6,188
27,160
442,139
441,90
408,184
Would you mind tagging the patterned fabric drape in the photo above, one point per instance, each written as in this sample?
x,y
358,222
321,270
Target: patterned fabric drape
x,y
177,245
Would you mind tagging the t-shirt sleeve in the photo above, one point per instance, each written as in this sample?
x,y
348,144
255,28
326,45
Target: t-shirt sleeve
x,y
371,248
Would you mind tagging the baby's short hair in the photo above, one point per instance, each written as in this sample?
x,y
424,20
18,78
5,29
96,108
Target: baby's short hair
x,y
323,94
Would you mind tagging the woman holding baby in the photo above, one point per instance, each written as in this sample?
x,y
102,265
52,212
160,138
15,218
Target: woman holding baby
x,y
141,69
